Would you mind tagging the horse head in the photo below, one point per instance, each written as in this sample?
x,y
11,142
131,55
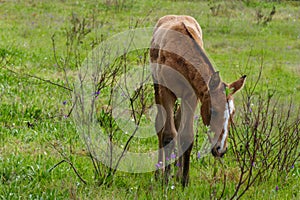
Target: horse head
x,y
218,110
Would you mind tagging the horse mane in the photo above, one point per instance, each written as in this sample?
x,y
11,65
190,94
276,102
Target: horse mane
x,y
198,44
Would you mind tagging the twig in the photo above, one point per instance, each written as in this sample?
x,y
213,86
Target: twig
x,y
73,167
224,187
259,75
52,168
36,77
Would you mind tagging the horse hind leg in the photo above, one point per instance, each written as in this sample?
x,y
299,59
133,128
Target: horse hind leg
x,y
186,165
179,154
159,126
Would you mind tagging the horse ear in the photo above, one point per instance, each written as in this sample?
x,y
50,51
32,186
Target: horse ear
x,y
214,81
237,85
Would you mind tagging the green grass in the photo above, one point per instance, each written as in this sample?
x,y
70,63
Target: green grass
x,y
32,122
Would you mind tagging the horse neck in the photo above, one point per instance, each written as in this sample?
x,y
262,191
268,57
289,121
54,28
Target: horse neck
x,y
200,79
201,70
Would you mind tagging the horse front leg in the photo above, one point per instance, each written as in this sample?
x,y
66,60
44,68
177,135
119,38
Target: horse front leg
x,y
169,132
165,129
186,165
186,135
186,146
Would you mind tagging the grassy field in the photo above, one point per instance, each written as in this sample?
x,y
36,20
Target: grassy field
x,y
36,131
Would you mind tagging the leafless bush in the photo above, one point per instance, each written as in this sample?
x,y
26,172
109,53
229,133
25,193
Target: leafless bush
x,y
264,19
138,103
267,142
226,8
214,8
106,72
71,57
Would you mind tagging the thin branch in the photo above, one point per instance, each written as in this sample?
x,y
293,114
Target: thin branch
x,y
57,164
224,187
73,167
259,75
38,78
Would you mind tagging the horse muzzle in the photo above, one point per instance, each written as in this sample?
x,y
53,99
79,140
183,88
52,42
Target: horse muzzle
x,y
217,153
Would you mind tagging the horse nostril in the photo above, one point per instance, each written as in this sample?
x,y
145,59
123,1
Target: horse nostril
x,y
218,148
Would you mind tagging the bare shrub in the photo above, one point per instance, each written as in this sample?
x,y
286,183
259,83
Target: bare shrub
x,y
267,142
95,111
264,19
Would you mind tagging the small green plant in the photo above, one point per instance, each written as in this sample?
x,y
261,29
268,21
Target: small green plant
x,y
265,18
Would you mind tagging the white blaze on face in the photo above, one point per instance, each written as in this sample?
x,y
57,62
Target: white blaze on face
x,y
229,108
